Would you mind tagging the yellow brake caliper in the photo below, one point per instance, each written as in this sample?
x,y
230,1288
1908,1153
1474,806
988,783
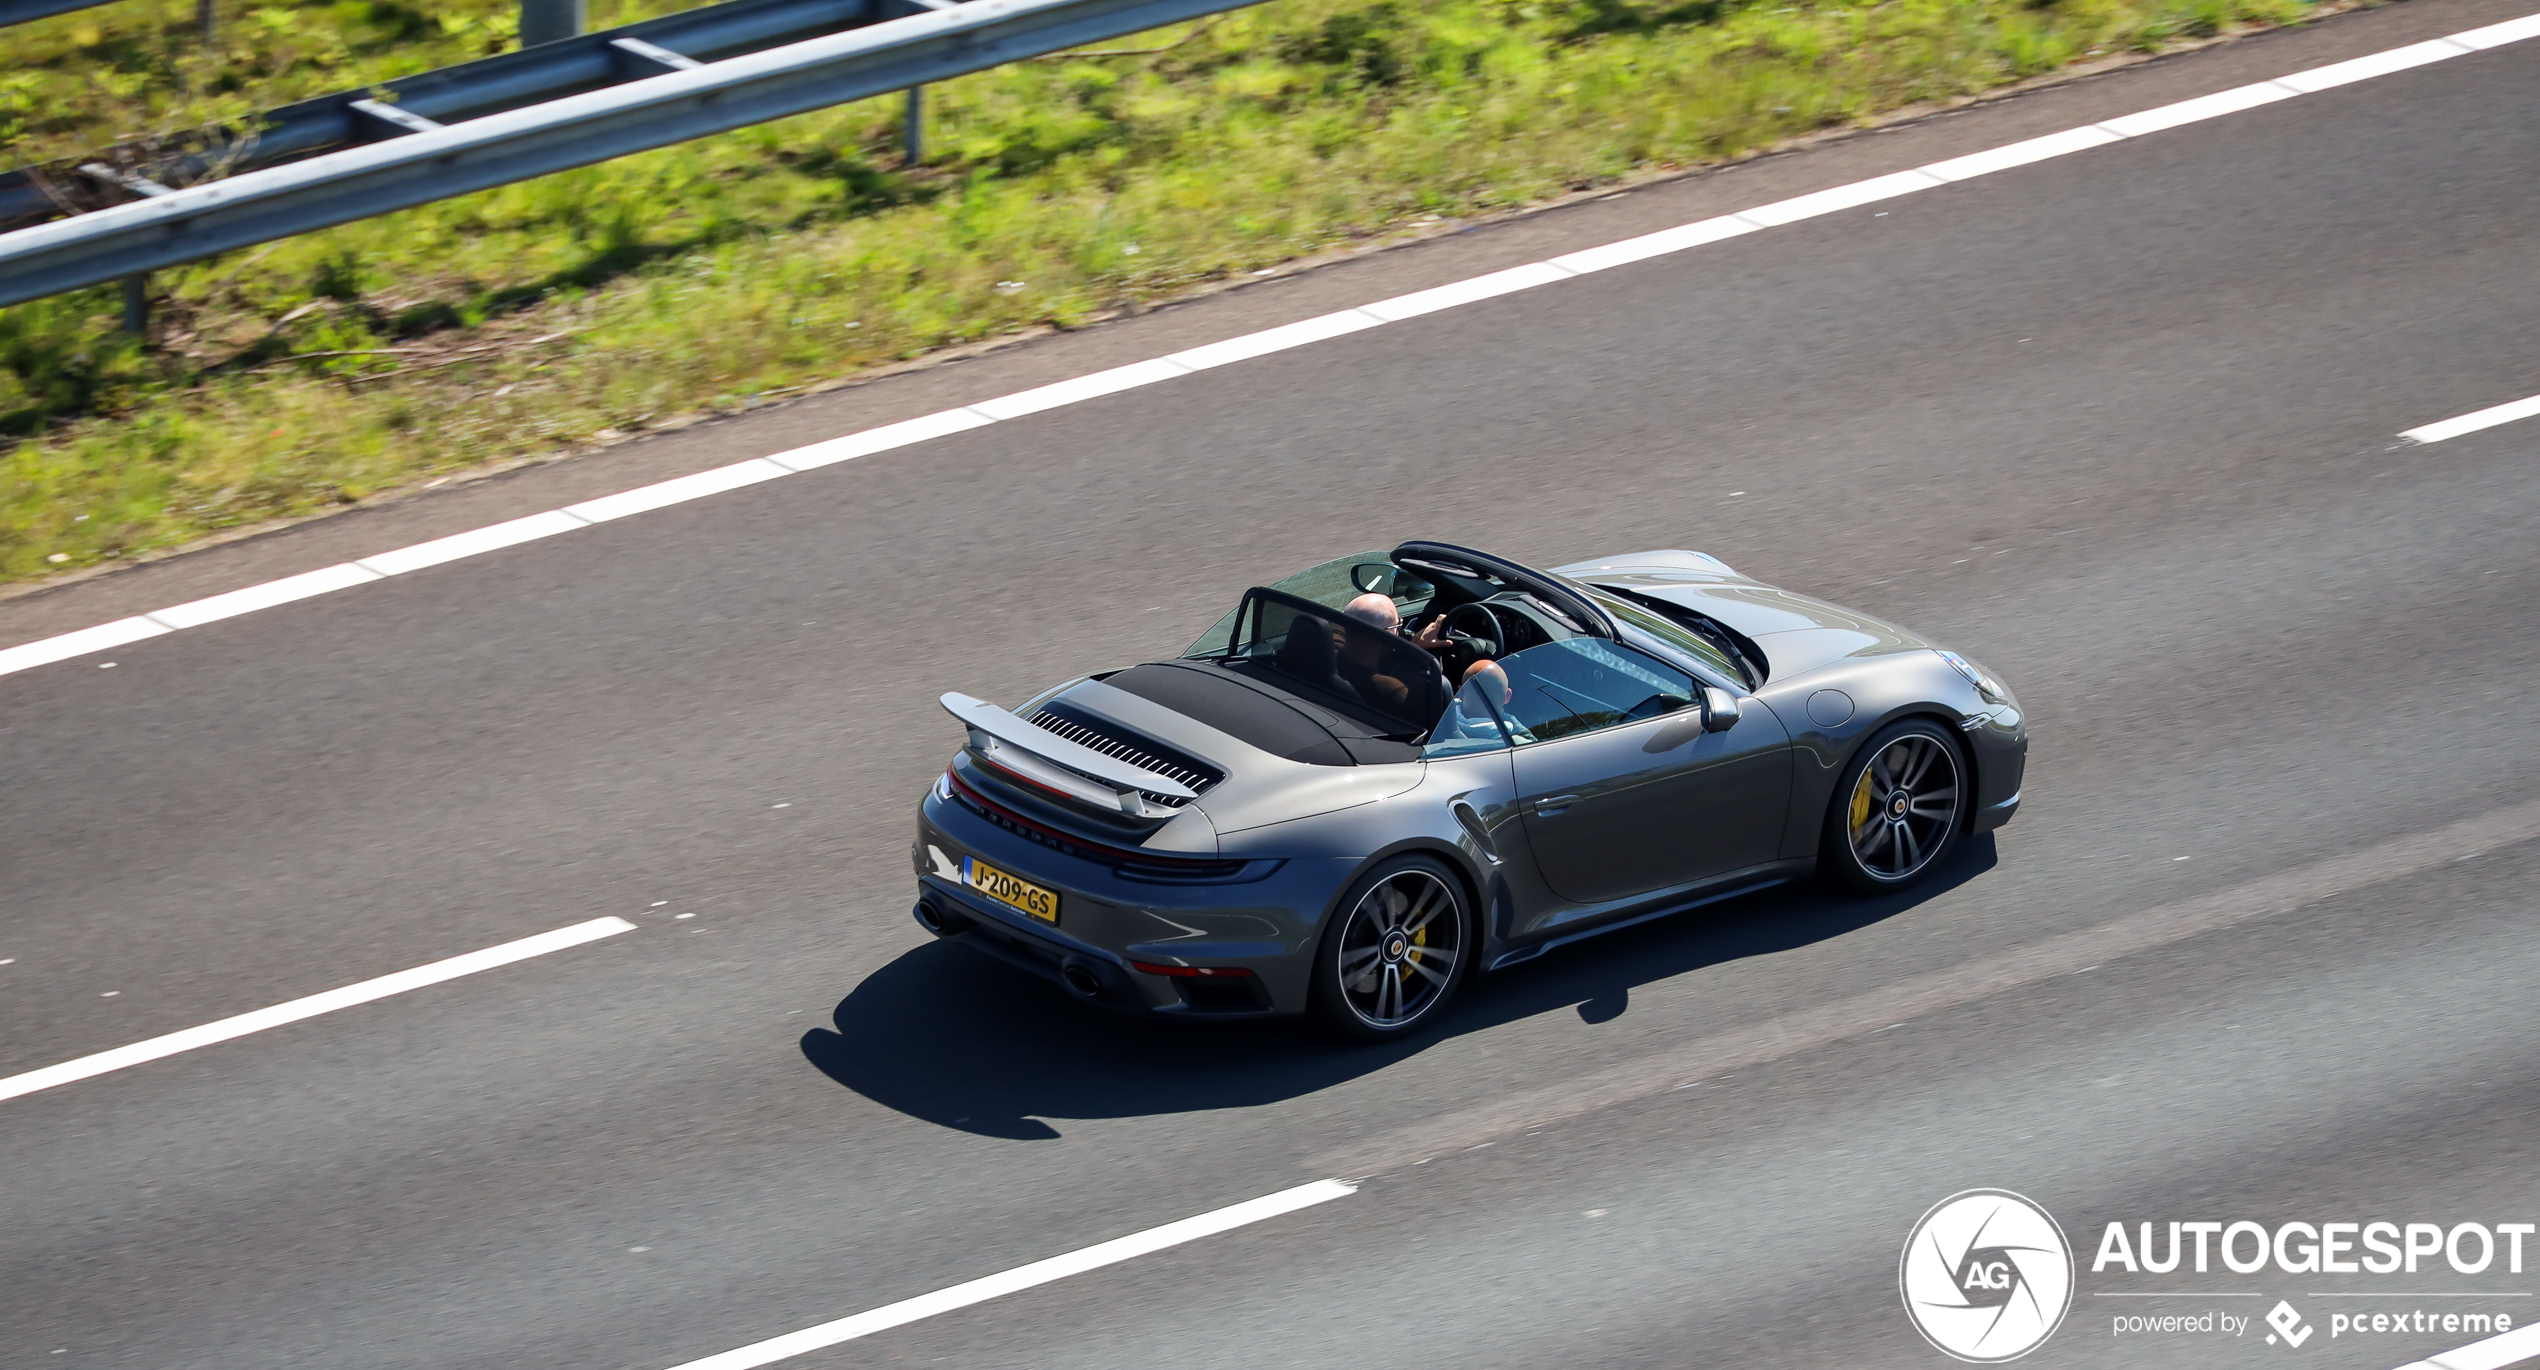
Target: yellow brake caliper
x,y
1861,802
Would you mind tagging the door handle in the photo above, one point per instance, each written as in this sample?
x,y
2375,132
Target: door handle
x,y
1554,803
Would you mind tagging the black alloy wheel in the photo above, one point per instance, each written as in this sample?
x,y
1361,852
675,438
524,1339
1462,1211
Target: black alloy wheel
x,y
1395,952
1899,810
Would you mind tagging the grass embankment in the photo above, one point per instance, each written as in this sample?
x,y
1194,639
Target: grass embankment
x,y
324,369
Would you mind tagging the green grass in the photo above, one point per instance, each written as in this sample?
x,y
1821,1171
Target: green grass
x,y
325,369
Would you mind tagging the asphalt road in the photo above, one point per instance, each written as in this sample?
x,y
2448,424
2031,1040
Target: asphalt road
x,y
2120,425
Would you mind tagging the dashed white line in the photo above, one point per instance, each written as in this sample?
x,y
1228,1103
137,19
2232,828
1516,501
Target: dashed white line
x,y
2471,423
1023,1277
1414,305
226,1029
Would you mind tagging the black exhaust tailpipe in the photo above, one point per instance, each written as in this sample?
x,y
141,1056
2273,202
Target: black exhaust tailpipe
x,y
936,919
1081,979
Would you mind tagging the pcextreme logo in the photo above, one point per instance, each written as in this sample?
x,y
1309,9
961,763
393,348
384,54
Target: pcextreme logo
x,y
1986,1276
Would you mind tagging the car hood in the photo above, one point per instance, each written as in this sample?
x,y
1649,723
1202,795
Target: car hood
x,y
1799,633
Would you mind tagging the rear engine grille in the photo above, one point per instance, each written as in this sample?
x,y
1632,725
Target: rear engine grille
x,y
1112,740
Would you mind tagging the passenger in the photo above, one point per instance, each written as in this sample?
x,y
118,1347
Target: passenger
x,y
1487,676
1468,724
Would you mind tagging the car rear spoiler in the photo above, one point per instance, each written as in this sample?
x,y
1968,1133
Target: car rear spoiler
x,y
1077,771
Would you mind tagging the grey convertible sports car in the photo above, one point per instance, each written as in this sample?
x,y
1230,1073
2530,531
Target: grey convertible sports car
x,y
1390,771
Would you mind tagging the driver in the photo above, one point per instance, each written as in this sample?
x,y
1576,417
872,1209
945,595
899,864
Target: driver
x,y
1378,611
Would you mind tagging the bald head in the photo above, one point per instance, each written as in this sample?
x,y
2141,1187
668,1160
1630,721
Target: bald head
x,y
1376,611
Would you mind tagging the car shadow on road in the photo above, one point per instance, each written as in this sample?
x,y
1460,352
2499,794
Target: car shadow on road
x,y
950,1037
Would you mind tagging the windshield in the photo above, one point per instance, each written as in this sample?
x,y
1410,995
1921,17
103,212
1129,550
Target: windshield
x,y
1674,633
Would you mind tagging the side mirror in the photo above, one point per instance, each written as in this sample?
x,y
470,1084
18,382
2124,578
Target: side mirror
x,y
1378,578
1719,709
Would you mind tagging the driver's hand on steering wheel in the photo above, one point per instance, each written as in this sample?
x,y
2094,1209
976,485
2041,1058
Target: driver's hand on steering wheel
x,y
1432,634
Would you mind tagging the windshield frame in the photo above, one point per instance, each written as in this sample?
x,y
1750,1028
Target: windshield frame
x,y
1653,628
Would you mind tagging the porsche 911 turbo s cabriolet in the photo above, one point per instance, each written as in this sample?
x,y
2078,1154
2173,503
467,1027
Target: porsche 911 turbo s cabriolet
x,y
1388,772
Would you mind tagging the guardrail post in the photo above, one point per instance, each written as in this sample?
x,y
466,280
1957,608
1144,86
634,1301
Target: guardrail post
x,y
913,132
204,14
546,21
136,305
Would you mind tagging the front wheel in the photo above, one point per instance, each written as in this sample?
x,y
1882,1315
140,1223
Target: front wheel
x,y
1396,950
1898,810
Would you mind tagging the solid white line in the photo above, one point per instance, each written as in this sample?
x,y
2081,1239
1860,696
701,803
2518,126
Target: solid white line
x,y
2378,64
312,1006
472,542
926,428
1279,339
1799,207
2471,423
2003,158
1080,389
678,491
1299,334
2497,35
2495,1353
1430,301
1024,1277
2203,107
104,637
324,580
1657,244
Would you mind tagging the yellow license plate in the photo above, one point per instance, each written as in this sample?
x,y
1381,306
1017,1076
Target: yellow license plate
x,y
1007,889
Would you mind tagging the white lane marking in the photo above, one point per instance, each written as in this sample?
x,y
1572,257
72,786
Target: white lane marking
x,y
1279,339
1464,292
510,533
105,637
2009,155
1300,334
302,586
1024,1277
2378,64
1877,188
2471,423
2495,1353
1657,244
678,491
1080,389
924,428
310,1007
2203,107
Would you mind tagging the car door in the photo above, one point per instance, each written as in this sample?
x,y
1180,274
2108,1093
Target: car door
x,y
1620,789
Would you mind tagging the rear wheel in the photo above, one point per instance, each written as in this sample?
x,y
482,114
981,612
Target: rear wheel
x,y
1396,950
1898,810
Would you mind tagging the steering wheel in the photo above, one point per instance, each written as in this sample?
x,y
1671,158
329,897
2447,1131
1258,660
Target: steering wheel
x,y
1472,634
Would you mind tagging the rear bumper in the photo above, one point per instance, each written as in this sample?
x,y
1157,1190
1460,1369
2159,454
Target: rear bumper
x,y
1109,922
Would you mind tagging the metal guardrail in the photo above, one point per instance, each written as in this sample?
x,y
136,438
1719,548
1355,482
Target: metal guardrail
x,y
439,139
447,95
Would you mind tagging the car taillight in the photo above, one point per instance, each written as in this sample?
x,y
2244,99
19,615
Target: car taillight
x,y
1194,972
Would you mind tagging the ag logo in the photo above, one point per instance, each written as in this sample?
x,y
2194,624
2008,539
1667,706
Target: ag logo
x,y
1986,1275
